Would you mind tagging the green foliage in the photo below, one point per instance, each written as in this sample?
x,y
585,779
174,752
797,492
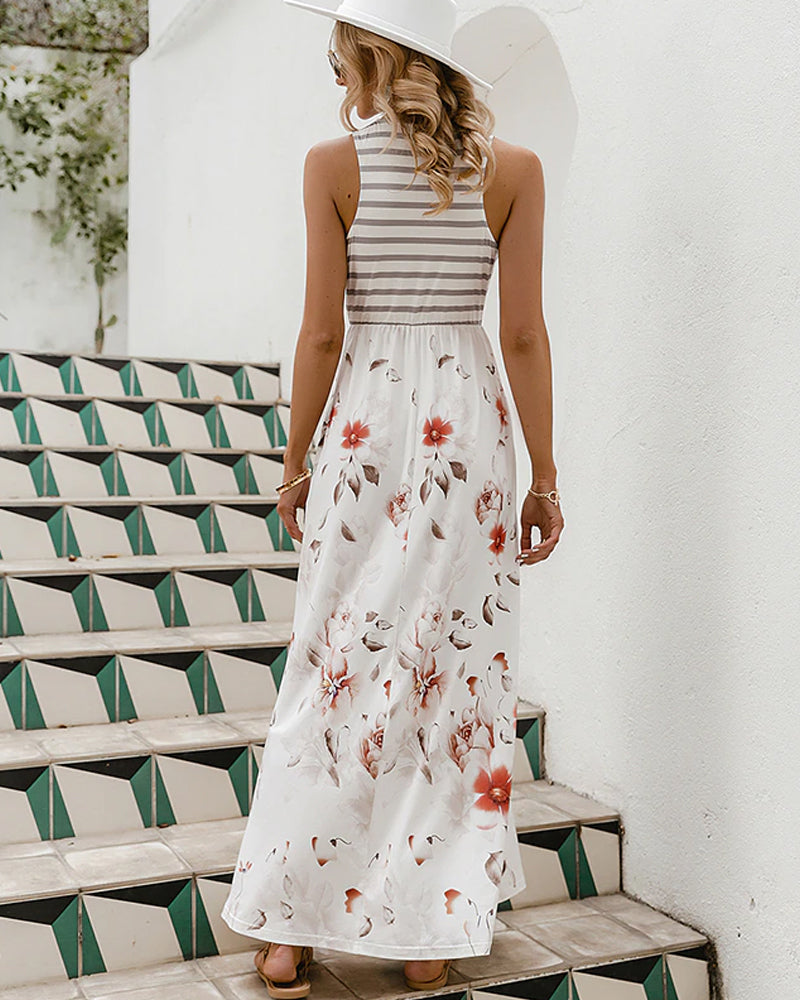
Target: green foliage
x,y
70,122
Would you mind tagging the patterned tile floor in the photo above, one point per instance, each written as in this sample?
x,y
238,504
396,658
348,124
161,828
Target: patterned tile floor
x,y
544,941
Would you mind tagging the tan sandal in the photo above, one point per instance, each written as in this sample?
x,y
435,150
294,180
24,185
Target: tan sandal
x,y
300,986
430,984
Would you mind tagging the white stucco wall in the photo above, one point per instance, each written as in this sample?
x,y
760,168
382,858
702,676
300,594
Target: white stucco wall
x,y
661,635
48,298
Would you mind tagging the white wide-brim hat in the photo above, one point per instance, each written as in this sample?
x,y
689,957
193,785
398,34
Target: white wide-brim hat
x,y
425,25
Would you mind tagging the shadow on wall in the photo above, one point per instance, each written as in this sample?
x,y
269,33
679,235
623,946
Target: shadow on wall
x,y
533,102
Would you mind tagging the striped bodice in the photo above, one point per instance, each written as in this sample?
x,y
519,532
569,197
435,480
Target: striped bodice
x,y
405,267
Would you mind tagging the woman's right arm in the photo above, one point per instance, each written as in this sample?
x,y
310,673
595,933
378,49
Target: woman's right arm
x,y
525,344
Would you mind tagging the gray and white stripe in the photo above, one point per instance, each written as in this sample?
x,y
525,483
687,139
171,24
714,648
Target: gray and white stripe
x,y
405,267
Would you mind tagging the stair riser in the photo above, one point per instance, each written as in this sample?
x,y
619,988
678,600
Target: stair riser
x,y
56,375
41,694
30,472
81,421
144,599
36,531
153,788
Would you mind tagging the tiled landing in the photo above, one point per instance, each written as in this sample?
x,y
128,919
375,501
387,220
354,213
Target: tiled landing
x,y
608,948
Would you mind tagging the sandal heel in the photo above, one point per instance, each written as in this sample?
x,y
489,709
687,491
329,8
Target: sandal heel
x,y
298,987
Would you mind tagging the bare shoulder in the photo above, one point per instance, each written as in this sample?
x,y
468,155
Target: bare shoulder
x,y
517,166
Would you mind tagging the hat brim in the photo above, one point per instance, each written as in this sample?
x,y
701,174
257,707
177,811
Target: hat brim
x,y
364,22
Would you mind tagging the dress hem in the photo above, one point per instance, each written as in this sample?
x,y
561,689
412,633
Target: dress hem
x,y
360,947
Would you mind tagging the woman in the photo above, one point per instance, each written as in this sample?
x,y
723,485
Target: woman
x,y
381,820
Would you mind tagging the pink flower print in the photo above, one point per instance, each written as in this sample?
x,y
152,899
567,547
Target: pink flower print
x,y
436,431
340,626
335,685
497,539
353,434
427,686
468,734
371,747
494,789
397,505
428,626
489,499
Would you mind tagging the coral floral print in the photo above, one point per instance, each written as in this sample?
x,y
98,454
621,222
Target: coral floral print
x,y
381,821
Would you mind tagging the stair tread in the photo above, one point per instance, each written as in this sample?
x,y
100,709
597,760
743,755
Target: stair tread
x,y
113,563
530,942
272,366
87,397
107,740
179,499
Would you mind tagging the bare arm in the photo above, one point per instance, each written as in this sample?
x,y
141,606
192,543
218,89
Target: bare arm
x,y
525,345
321,335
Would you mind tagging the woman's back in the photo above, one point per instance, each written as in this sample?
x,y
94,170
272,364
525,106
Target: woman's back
x,y
404,266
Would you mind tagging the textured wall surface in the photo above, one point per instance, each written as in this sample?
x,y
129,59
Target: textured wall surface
x,y
661,636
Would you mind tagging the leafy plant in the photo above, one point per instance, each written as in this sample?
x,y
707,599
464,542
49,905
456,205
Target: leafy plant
x,y
70,121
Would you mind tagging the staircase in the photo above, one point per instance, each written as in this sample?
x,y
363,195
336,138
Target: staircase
x,y
146,596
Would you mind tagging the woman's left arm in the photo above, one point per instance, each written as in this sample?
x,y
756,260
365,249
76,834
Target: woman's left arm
x,y
321,335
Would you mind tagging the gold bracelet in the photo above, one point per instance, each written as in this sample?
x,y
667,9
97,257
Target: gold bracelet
x,y
282,487
552,496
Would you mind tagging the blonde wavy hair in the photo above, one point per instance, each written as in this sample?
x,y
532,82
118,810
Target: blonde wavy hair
x,y
431,103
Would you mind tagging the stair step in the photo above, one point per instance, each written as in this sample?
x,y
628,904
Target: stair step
x,y
117,377
127,592
103,888
49,528
76,421
29,471
124,881
96,779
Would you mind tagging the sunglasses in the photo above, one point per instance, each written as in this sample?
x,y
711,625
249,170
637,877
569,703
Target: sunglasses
x,y
336,66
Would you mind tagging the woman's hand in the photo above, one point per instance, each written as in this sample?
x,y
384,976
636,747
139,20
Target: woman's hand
x,y
292,500
546,516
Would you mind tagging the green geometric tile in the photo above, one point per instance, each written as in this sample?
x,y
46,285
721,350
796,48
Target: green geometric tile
x,y
647,973
181,480
164,813
244,477
180,910
214,697
242,591
91,425
38,795
209,531
242,384
554,987
11,623
62,827
42,479
11,685
8,374
689,955
113,479
133,529
279,536
107,682
26,424
64,922
238,772
92,959
127,709
142,784
70,378
195,675
187,383
528,732
155,426
204,945
34,718
163,591
130,380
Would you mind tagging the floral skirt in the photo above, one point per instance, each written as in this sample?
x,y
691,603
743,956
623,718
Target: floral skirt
x,y
381,821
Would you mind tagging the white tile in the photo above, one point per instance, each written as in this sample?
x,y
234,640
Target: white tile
x,y
145,478
126,605
97,379
185,429
133,934
97,803
212,383
98,535
35,953
205,601
242,684
123,864
197,792
75,478
44,609
123,425
245,429
58,426
264,384
157,690
210,477
172,532
277,594
66,697
24,537
267,472
165,975
9,434
31,877
157,383
16,479
37,377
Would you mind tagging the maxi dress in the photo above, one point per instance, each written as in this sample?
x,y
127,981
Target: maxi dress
x,y
381,821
